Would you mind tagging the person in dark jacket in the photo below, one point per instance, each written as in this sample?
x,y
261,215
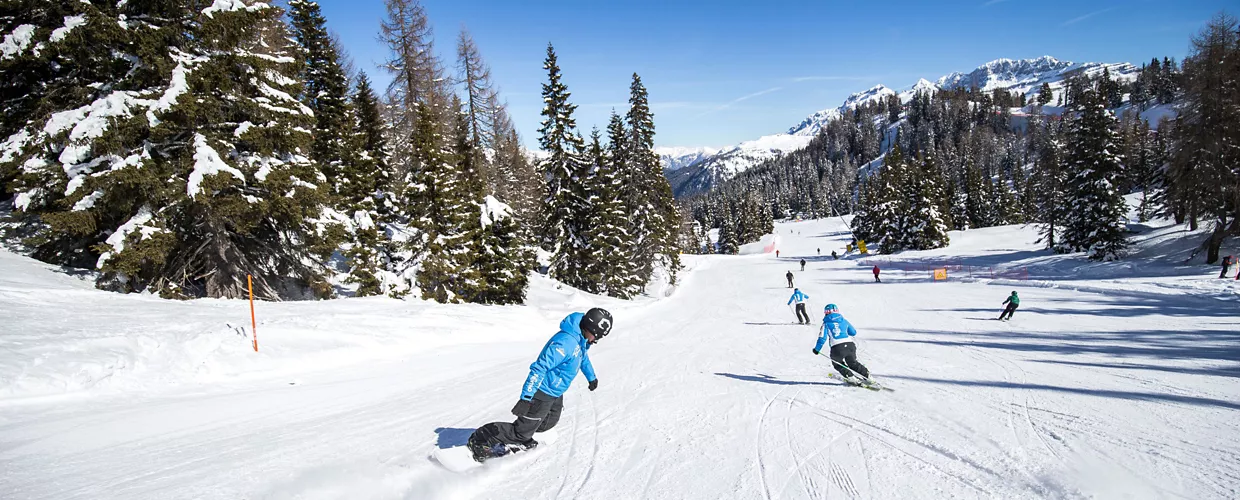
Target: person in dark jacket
x,y
802,264
542,396
1227,262
789,276
1012,303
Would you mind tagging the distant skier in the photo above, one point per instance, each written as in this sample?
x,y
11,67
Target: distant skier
x,y
1012,303
819,251
838,333
1227,261
789,276
802,264
799,298
834,256
777,254
542,396
876,271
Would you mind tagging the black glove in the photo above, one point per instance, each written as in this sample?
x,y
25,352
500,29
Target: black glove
x,y
815,352
593,385
522,408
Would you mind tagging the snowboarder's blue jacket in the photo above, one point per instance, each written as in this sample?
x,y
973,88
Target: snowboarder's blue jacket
x,y
559,361
836,329
798,297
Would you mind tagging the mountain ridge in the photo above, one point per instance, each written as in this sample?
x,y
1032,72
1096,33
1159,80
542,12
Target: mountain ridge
x,y
693,175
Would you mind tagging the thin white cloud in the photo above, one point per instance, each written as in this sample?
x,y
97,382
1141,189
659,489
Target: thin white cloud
x,y
739,100
992,2
1075,20
759,93
832,78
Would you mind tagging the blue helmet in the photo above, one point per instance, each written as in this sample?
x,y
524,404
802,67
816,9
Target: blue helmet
x,y
831,308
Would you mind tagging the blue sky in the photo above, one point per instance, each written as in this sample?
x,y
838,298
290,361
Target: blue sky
x,y
721,72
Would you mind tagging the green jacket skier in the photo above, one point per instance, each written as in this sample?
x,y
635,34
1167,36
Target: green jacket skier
x,y
1012,302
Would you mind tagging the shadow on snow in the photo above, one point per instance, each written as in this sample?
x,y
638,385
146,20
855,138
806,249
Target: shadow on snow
x,y
1128,395
767,379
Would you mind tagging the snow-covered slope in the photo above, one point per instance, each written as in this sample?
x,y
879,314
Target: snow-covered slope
x,y
1025,76
711,393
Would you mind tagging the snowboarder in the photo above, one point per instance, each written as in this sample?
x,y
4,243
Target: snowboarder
x,y
838,333
799,298
542,396
1227,261
789,276
834,256
876,280
1012,303
802,264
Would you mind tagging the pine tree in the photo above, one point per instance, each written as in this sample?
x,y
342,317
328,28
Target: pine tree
x,y
890,209
925,227
201,164
1095,208
53,53
728,239
652,208
326,91
605,233
566,203
503,260
443,192
82,70
621,267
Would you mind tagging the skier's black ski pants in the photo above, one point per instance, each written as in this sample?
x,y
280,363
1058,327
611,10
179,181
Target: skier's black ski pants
x,y
1011,309
1224,273
845,360
801,313
544,414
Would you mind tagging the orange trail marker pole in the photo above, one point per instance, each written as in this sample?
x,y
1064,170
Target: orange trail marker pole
x,y
249,281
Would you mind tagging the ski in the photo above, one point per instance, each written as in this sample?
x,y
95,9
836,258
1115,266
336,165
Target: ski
x,y
871,385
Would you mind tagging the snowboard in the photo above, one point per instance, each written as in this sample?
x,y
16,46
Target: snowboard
x,y
460,459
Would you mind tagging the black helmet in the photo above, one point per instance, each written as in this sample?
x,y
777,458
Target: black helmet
x,y
598,322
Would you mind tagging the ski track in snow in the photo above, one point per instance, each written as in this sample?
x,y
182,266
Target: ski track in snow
x,y
711,393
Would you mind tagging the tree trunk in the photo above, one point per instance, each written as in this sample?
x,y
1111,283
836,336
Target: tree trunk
x,y
1215,242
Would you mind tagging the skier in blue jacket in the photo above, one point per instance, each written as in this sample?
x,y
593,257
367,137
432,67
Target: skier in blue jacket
x,y
838,333
799,298
542,395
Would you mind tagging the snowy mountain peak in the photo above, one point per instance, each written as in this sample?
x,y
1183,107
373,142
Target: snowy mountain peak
x,y
875,94
924,84
1006,73
676,158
